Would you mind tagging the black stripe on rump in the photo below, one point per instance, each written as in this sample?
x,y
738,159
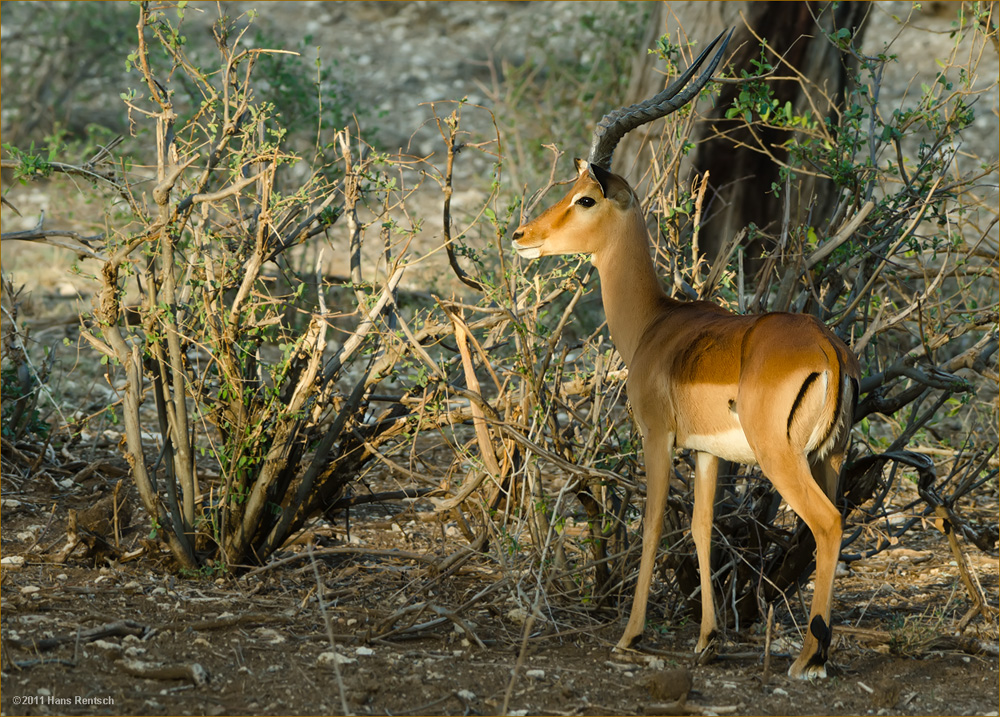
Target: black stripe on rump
x,y
798,400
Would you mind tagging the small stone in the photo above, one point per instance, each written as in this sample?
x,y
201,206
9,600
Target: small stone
x,y
517,615
271,635
328,659
670,685
886,694
111,650
535,674
199,674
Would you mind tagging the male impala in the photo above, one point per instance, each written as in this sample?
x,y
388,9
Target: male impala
x,y
775,389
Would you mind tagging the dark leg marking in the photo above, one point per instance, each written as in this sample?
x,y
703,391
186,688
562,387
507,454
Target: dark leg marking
x,y
823,634
798,399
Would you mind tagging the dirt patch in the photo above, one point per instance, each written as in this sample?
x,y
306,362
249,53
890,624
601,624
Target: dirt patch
x,y
132,638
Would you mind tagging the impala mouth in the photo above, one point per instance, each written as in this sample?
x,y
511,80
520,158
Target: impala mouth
x,y
527,252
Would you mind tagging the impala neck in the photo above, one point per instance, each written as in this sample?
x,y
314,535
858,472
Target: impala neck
x,y
630,289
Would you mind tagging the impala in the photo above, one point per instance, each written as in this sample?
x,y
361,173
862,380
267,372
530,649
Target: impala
x,y
777,390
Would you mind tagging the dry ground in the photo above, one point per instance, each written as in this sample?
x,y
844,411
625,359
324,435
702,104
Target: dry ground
x,y
413,641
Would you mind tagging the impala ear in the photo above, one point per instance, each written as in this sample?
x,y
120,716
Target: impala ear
x,y
620,194
601,176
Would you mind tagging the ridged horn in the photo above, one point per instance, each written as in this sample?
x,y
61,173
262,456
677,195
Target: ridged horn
x,y
620,122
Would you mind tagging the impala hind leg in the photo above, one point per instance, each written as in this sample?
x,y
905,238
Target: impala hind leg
x,y
659,451
705,478
791,475
827,475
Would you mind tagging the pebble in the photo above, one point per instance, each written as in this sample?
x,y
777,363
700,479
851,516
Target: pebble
x,y
517,615
330,658
670,685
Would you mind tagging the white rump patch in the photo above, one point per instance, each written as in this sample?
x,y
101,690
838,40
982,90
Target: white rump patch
x,y
819,450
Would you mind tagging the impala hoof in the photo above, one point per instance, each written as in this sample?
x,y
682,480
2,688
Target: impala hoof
x,y
707,649
809,672
813,666
627,644
619,650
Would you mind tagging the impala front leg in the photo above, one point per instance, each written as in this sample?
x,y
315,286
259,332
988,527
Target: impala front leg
x,y
659,451
705,478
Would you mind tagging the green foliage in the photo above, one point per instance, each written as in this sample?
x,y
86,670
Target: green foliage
x,y
556,94
31,166
755,98
53,77
19,414
313,97
201,268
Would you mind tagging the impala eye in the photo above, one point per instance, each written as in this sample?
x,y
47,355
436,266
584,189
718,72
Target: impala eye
x,y
586,202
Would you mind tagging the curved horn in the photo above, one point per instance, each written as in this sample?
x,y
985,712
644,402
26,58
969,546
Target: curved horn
x,y
620,122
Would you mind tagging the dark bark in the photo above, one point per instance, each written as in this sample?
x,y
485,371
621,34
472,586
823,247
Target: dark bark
x,y
741,177
740,174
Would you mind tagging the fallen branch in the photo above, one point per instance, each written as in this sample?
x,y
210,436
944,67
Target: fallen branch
x,y
122,628
193,671
960,643
344,550
354,500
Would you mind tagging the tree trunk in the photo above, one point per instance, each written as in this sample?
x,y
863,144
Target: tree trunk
x,y
740,173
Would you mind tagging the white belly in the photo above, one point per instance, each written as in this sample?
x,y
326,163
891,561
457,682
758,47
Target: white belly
x,y
730,445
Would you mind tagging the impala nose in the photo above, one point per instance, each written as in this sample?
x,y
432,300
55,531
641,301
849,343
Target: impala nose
x,y
516,236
